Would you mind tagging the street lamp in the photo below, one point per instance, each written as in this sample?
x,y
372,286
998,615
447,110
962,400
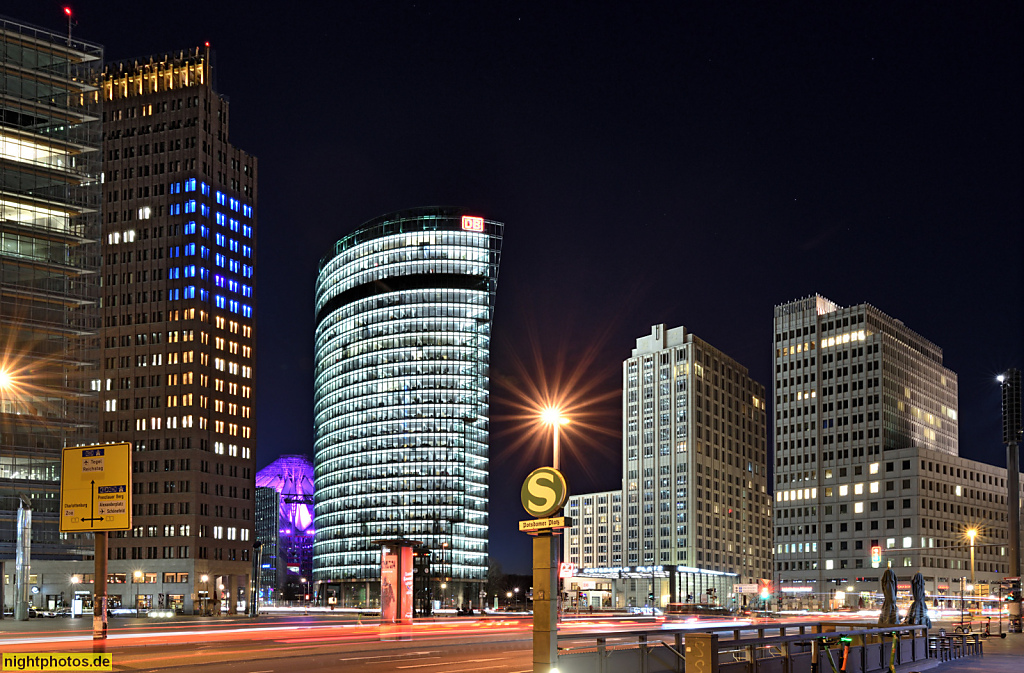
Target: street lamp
x,y
75,579
137,575
553,417
444,585
972,533
206,593
516,591
508,599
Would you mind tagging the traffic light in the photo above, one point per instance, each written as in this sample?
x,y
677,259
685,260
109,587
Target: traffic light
x,y
650,597
764,589
876,556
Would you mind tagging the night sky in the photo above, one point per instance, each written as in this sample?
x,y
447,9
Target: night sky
x,y
687,163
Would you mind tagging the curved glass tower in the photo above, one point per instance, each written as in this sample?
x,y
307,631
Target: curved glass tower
x,y
403,325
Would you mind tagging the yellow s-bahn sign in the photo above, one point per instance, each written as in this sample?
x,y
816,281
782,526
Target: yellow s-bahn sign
x,y
544,492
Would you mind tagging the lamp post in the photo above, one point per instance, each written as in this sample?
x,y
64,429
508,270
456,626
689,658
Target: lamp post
x,y
75,579
206,593
972,533
553,417
220,596
444,585
516,592
136,576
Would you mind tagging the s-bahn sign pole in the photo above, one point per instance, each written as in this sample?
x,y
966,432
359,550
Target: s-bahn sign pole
x,y
543,494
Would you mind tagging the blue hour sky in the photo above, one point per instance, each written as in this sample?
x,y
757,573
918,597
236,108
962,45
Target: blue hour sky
x,y
687,163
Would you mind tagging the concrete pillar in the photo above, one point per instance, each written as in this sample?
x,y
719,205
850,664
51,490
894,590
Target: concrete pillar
x,y
232,587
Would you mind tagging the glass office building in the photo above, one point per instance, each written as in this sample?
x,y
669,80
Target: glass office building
x,y
50,191
401,420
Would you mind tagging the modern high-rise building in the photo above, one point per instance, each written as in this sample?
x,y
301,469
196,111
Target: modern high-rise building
x,y
694,457
695,512
178,337
401,407
284,526
50,190
866,457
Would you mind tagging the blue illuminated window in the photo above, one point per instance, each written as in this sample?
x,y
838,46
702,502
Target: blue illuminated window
x,y
190,271
173,251
246,251
246,271
204,231
173,272
204,252
219,301
219,259
204,188
233,306
246,311
218,280
233,285
246,291
174,294
220,217
221,199
204,273
190,185
174,188
174,209
220,239
234,245
247,211
204,209
234,225
190,292
247,231
204,295
233,204
233,264
189,228
190,249
190,206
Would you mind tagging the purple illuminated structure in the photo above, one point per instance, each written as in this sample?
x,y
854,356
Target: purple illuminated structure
x,y
292,477
284,524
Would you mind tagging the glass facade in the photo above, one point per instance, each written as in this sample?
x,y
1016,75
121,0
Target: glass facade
x,y
50,167
401,418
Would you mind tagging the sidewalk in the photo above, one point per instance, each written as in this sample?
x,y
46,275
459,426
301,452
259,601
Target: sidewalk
x,y
1002,655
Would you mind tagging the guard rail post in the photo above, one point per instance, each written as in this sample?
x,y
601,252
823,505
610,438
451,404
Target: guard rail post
x,y
701,652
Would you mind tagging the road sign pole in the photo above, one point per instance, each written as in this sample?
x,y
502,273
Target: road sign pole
x,y
99,603
545,602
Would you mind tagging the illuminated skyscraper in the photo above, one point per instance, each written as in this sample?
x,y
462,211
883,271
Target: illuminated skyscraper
x,y
50,192
401,420
179,328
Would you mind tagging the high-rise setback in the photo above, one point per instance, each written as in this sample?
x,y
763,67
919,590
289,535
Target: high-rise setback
x,y
695,484
178,336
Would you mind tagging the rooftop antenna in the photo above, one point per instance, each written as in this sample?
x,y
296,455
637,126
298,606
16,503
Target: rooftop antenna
x,y
67,12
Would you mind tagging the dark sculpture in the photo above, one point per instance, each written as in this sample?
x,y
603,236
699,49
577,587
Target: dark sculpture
x,y
889,615
918,612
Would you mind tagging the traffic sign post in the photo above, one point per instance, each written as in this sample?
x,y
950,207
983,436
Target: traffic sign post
x,y
96,497
543,494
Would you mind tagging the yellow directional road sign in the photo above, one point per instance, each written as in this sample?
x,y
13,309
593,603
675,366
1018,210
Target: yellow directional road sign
x,y
96,488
